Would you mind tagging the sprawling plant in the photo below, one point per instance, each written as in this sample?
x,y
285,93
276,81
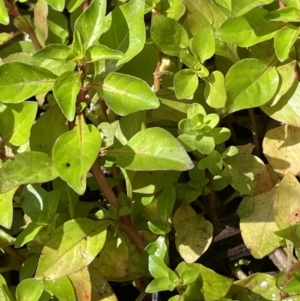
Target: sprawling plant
x,y
118,146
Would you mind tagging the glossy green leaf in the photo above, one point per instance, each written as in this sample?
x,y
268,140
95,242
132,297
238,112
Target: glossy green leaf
x,y
173,10
249,29
25,81
61,288
69,81
285,14
215,92
204,143
185,83
28,234
77,241
172,39
159,227
203,44
101,52
47,129
126,30
215,286
89,26
58,52
220,135
6,208
165,203
26,168
248,92
152,149
84,142
57,4
16,122
284,41
29,290
157,267
160,284
4,18
126,94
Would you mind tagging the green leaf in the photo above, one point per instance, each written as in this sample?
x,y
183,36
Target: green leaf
x,y
159,227
6,239
126,30
6,208
220,135
285,14
69,81
58,52
157,267
172,39
47,129
29,267
189,245
16,122
77,241
165,203
203,44
284,41
205,144
152,149
19,81
249,91
57,4
185,83
89,26
84,142
215,92
249,29
29,290
61,288
28,234
4,18
160,284
58,26
26,168
101,52
214,163
125,94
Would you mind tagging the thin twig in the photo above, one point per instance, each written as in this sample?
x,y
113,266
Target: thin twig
x,y
254,132
157,73
112,199
279,259
13,253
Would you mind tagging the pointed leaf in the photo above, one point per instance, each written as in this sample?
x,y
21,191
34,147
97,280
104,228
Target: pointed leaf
x,y
69,81
89,26
58,52
26,168
248,92
84,142
77,241
125,94
4,18
101,52
6,208
284,41
16,122
19,81
215,92
152,149
286,14
126,32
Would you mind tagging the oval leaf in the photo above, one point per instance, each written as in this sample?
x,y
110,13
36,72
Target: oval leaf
x,y
71,82
26,168
244,92
84,142
125,94
29,290
77,241
152,149
24,82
